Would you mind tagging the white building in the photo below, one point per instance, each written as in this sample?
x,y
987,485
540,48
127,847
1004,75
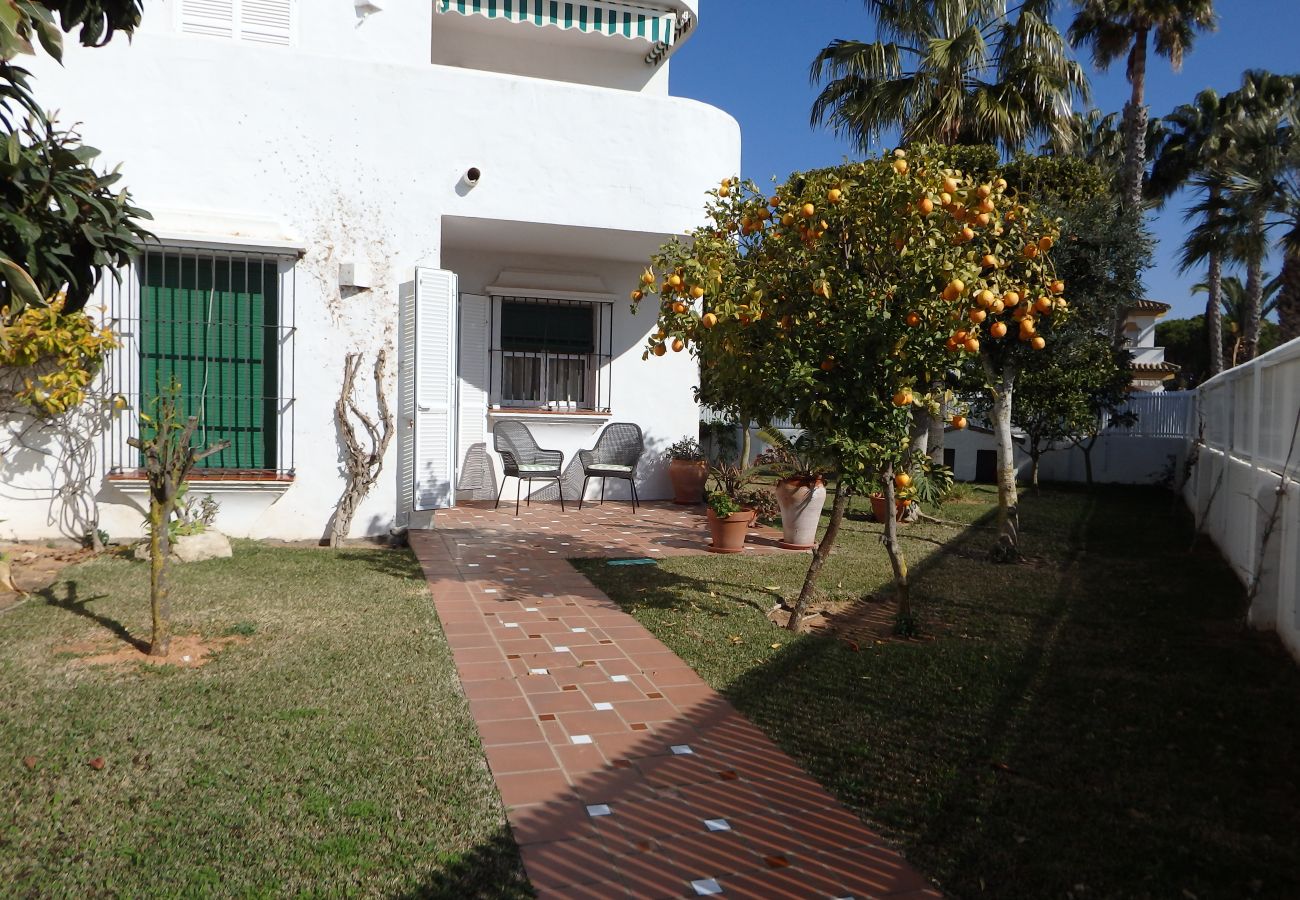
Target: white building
x,y
473,184
1150,371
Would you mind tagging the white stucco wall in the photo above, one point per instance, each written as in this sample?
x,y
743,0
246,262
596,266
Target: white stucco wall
x,y
357,157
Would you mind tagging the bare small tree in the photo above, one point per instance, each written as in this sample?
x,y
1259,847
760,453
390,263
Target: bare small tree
x,y
168,459
362,464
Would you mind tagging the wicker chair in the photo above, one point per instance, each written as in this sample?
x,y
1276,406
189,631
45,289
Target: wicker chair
x,y
522,459
617,451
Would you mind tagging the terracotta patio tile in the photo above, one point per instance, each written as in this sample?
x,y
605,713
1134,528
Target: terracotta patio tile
x,y
596,890
580,760
491,690
533,787
546,822
591,721
509,731
507,759
647,711
606,691
500,708
711,854
871,870
560,863
560,702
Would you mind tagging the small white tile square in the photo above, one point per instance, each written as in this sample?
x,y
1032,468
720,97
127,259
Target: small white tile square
x,y
561,649
539,671
546,596
717,824
490,591
619,678
578,630
603,706
524,569
530,609
681,749
511,624
599,809
581,739
706,886
472,565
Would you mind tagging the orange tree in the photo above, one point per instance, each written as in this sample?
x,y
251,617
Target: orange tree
x,y
836,300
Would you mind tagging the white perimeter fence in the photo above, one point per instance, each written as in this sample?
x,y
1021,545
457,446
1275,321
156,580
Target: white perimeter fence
x,y
1242,485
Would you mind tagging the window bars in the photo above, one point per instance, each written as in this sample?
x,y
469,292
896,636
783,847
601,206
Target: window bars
x,y
221,322
547,353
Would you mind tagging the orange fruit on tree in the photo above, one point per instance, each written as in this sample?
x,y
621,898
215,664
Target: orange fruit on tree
x,y
1043,304
679,307
636,296
647,277
1010,298
808,210
985,298
1058,286
1000,184
983,191
677,345
972,345
996,307
950,345
967,234
900,166
709,320
913,319
960,336
1045,243
660,349
787,219
1030,251
902,479
950,185
903,398
989,261
945,199
983,219
834,195
1038,343
674,281
959,422
925,205
828,363
977,315
774,201
998,329
697,292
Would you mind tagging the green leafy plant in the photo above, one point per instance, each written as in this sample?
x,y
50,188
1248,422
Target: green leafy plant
x,y
931,482
49,358
763,503
687,449
800,459
722,504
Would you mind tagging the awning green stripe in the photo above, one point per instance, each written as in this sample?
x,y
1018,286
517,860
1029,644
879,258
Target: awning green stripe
x,y
611,18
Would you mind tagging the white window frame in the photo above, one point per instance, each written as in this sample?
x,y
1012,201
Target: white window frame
x,y
597,363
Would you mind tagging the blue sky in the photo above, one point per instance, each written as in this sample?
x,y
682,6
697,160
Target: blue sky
x,y
751,57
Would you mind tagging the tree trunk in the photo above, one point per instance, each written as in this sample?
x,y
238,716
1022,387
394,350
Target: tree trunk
x,y
1214,306
362,463
1087,462
905,624
919,442
1008,546
746,444
1034,455
1254,297
938,386
1135,124
822,551
159,547
1288,298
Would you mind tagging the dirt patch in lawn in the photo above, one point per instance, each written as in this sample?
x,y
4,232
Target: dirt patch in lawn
x,y
35,568
871,620
186,652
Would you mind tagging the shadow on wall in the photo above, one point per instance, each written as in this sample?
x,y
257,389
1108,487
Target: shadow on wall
x,y
57,462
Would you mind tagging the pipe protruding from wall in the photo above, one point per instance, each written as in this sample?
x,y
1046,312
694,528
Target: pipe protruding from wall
x,y
471,177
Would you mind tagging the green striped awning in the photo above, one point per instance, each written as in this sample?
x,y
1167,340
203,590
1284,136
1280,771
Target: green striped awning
x,y
625,19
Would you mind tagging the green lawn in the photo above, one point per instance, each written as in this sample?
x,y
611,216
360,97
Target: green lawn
x,y
331,753
1094,723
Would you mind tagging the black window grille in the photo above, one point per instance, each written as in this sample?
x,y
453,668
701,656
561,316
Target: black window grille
x,y
550,354
221,322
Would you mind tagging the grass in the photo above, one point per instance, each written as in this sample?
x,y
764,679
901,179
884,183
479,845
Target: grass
x,y
1097,722
328,751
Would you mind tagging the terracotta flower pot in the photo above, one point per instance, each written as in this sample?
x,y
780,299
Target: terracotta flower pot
x,y
729,533
688,477
801,505
878,507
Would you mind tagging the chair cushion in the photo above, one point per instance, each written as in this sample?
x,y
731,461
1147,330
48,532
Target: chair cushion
x,y
539,467
612,468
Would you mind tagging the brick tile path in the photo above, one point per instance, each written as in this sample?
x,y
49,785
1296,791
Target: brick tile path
x,y
624,775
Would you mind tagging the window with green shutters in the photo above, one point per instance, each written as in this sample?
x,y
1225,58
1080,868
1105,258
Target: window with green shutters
x,y
211,321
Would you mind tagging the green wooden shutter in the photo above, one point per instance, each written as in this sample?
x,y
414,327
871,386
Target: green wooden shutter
x,y
209,320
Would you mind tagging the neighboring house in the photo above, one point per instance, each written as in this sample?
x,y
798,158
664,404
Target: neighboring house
x,y
1150,371
474,186
972,454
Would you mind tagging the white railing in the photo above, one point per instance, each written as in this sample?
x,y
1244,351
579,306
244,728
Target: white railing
x,y
1244,489
1160,414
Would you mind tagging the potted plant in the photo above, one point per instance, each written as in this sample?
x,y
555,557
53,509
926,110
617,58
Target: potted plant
x,y
687,470
902,498
800,488
729,518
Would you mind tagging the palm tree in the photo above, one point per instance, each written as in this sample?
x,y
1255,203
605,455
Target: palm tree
x,y
1192,147
1115,28
1235,305
951,71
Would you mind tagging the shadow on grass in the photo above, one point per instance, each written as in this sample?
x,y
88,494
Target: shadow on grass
x,y
1097,718
63,595
490,871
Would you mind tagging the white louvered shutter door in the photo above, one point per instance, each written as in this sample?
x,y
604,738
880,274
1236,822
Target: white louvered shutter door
x,y
473,401
266,21
435,382
215,18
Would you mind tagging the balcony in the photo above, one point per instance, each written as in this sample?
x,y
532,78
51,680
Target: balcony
x,y
599,42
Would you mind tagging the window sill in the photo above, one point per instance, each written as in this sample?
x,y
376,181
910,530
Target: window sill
x,y
552,416
212,481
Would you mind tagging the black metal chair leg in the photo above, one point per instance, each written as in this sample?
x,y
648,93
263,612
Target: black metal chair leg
x,y
602,490
528,501
559,486
519,486
500,491
583,492
632,482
